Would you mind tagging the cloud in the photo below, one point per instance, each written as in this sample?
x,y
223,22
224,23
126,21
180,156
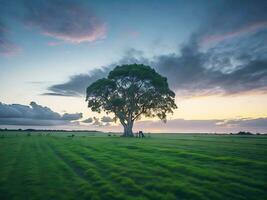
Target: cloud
x,y
88,120
35,115
106,119
32,122
69,20
60,94
221,37
246,123
72,117
77,84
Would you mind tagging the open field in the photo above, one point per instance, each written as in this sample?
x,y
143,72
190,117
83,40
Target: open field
x,y
171,166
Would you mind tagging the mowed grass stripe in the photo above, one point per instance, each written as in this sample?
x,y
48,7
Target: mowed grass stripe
x,y
61,180
103,188
25,167
77,181
9,150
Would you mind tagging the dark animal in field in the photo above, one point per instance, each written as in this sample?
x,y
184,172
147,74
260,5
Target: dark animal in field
x,y
140,134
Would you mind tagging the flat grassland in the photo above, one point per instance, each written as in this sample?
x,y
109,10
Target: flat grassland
x,y
164,166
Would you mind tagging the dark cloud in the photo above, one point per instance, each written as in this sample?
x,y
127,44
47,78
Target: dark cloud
x,y
17,114
106,119
32,122
59,94
77,84
34,111
88,120
72,117
66,20
253,124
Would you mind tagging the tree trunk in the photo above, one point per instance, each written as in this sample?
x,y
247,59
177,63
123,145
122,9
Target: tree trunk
x,y
128,132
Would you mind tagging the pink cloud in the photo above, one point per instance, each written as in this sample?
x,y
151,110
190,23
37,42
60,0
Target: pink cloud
x,y
70,22
99,32
207,40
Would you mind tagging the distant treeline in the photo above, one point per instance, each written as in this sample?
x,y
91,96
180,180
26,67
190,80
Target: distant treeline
x,y
47,130
248,133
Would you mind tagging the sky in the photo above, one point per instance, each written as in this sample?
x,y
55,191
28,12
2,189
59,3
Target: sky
x,y
213,52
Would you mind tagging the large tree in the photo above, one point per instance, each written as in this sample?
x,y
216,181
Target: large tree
x,y
129,92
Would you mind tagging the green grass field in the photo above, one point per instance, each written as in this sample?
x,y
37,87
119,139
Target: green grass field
x,y
95,166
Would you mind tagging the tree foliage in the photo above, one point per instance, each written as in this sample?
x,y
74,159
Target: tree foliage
x,y
132,91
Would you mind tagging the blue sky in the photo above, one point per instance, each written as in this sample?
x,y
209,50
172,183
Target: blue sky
x,y
209,51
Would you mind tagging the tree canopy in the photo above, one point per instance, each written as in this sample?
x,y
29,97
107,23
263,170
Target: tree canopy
x,y
132,91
